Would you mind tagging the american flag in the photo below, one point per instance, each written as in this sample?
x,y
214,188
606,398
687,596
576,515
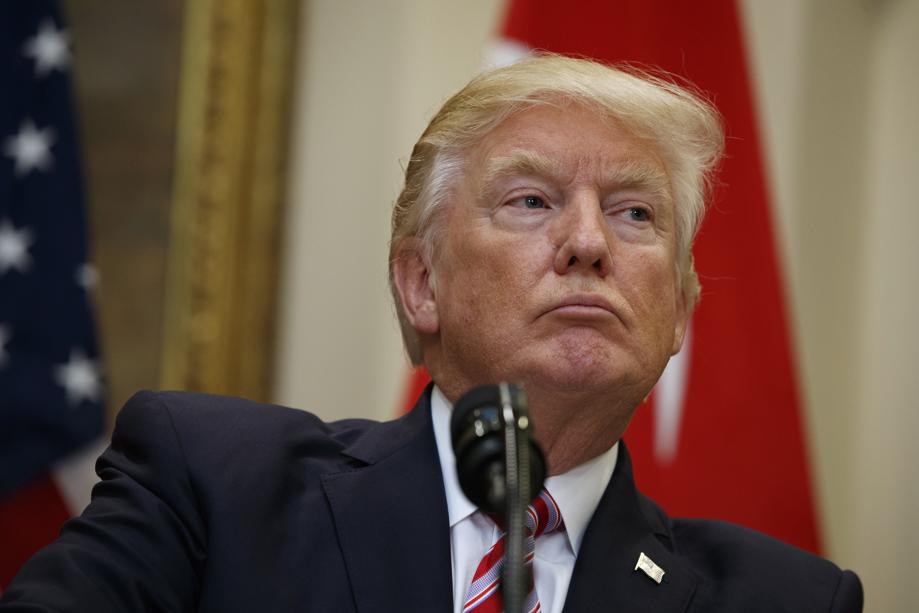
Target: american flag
x,y
51,393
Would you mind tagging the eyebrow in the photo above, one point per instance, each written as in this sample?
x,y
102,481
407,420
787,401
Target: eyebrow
x,y
640,176
629,174
520,162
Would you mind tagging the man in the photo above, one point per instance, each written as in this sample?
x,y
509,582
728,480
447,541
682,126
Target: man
x,y
543,237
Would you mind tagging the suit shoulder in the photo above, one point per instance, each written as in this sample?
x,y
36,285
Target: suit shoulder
x,y
705,537
740,562
192,411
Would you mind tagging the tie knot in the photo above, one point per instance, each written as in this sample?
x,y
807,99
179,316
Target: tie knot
x,y
543,515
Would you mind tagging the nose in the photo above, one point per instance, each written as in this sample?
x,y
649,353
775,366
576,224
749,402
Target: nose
x,y
584,238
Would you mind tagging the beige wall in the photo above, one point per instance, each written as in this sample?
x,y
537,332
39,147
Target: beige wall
x,y
838,93
837,96
886,492
372,73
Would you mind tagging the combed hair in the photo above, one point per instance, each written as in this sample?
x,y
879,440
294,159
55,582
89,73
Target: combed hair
x,y
685,129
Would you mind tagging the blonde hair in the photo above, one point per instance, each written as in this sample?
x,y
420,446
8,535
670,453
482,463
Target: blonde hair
x,y
685,128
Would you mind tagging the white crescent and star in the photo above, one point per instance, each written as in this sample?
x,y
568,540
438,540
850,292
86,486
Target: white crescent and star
x,y
669,402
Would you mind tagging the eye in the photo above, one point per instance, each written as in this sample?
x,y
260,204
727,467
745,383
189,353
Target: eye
x,y
639,214
533,202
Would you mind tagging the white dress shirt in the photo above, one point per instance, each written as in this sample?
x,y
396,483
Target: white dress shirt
x,y
472,533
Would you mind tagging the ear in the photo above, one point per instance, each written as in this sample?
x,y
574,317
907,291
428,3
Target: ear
x,y
682,315
414,284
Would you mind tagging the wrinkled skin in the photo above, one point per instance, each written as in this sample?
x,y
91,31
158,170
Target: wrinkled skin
x,y
556,269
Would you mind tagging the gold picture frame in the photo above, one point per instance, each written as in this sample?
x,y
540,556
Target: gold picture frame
x,y
233,126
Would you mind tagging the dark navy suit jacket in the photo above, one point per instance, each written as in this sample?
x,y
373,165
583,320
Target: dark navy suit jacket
x,y
220,505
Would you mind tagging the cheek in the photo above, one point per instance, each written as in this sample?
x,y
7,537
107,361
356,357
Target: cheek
x,y
495,282
654,293
465,297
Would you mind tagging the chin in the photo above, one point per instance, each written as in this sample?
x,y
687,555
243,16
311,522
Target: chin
x,y
592,368
585,382
581,376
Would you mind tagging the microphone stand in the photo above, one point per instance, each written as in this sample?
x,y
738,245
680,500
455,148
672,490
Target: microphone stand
x,y
499,468
517,485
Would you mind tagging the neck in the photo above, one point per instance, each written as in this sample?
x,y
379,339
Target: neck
x,y
574,427
571,426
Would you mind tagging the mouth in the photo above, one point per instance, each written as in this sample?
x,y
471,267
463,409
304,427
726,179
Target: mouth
x,y
588,306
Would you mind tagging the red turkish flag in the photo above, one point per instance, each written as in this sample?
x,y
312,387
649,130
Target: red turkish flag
x,y
418,379
722,435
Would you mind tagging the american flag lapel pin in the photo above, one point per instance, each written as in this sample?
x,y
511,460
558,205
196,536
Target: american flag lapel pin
x,y
651,569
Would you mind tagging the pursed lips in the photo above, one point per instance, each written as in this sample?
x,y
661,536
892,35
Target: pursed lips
x,y
586,305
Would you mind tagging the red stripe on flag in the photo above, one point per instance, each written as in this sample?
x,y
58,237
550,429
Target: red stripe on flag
x,y
741,453
30,518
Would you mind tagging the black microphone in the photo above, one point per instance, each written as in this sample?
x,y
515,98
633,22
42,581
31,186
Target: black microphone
x,y
478,429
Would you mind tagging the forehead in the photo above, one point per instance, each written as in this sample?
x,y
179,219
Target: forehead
x,y
565,142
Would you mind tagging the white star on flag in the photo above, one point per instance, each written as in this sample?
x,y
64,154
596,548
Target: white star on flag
x,y
5,335
87,276
14,248
79,377
49,48
31,148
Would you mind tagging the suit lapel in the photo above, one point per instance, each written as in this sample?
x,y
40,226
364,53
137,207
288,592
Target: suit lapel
x,y
391,517
624,526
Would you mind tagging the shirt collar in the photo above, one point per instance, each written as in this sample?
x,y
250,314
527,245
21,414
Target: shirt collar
x,y
458,506
577,491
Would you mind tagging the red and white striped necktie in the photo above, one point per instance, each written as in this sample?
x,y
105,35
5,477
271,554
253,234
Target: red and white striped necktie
x,y
484,595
